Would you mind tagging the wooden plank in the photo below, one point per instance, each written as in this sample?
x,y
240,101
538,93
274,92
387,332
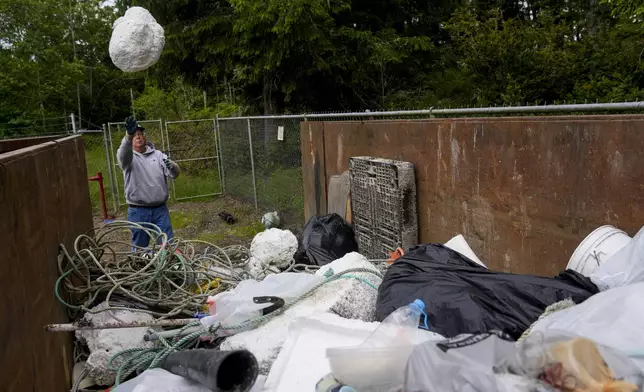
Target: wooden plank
x,y
313,173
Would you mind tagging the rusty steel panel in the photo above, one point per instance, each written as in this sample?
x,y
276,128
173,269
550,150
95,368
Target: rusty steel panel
x,y
524,191
16,144
44,200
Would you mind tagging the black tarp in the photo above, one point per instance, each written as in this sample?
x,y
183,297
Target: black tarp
x,y
326,239
463,297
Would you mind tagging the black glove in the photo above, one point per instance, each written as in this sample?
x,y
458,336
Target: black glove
x,y
167,163
130,125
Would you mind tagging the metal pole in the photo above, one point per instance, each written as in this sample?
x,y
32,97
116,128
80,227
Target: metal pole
x,y
73,122
118,191
252,162
132,102
161,130
110,169
168,152
134,324
220,160
80,118
619,106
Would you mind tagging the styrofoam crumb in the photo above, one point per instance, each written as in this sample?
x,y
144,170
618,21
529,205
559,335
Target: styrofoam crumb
x,y
104,343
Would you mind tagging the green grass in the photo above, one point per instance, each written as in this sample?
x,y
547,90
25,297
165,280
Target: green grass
x,y
204,182
96,162
181,219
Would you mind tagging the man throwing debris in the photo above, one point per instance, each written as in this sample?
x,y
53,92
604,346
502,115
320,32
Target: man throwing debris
x,y
146,185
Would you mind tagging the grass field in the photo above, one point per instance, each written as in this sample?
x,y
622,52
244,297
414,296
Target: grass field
x,y
279,189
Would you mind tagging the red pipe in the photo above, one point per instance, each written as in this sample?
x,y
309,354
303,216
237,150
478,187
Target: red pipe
x,y
99,177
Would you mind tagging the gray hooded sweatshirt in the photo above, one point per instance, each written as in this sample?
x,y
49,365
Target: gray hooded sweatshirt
x,y
146,183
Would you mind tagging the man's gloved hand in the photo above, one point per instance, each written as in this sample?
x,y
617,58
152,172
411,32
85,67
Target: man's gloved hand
x,y
167,163
130,125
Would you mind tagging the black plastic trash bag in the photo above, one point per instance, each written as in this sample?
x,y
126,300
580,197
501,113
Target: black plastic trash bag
x,y
463,297
325,239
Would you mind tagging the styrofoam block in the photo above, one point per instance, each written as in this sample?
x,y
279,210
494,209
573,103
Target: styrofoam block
x,y
137,40
104,343
302,361
343,296
271,248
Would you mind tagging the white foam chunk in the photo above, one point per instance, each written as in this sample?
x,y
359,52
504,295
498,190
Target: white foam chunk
x,y
271,248
104,343
347,297
137,40
302,361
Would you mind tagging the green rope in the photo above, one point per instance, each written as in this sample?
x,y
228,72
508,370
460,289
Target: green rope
x,y
557,306
168,276
140,359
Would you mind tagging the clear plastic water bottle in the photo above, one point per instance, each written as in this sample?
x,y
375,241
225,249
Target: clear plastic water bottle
x,y
400,327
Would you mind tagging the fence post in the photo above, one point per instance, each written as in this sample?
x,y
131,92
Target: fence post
x,y
110,169
73,122
168,152
114,163
252,162
220,160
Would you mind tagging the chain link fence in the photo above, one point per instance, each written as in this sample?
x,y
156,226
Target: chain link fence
x,y
194,146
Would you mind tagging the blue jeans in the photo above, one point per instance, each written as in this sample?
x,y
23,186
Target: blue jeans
x,y
158,215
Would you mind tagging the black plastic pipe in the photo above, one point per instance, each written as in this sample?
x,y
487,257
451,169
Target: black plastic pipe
x,y
220,371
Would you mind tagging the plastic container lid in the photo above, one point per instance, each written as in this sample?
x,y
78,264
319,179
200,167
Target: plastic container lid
x,y
418,303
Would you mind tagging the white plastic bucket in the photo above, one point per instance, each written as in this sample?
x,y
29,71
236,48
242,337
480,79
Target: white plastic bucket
x,y
596,248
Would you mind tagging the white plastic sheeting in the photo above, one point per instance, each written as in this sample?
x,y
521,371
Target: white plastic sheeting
x,y
137,40
612,318
159,380
337,297
624,267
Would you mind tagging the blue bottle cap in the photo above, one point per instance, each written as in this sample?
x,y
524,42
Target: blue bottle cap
x,y
419,304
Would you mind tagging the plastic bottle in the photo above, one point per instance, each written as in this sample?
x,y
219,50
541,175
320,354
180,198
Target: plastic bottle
x,y
400,327
378,364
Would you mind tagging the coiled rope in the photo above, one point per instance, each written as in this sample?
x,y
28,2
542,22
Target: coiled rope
x,y
171,277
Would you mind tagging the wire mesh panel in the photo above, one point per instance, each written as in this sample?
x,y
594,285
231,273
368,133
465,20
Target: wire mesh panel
x,y
236,159
194,146
383,205
116,131
278,167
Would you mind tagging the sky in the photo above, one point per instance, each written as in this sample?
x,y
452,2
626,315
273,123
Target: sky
x,y
108,3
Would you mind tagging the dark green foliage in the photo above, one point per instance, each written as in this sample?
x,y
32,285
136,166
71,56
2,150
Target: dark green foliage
x,y
278,56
